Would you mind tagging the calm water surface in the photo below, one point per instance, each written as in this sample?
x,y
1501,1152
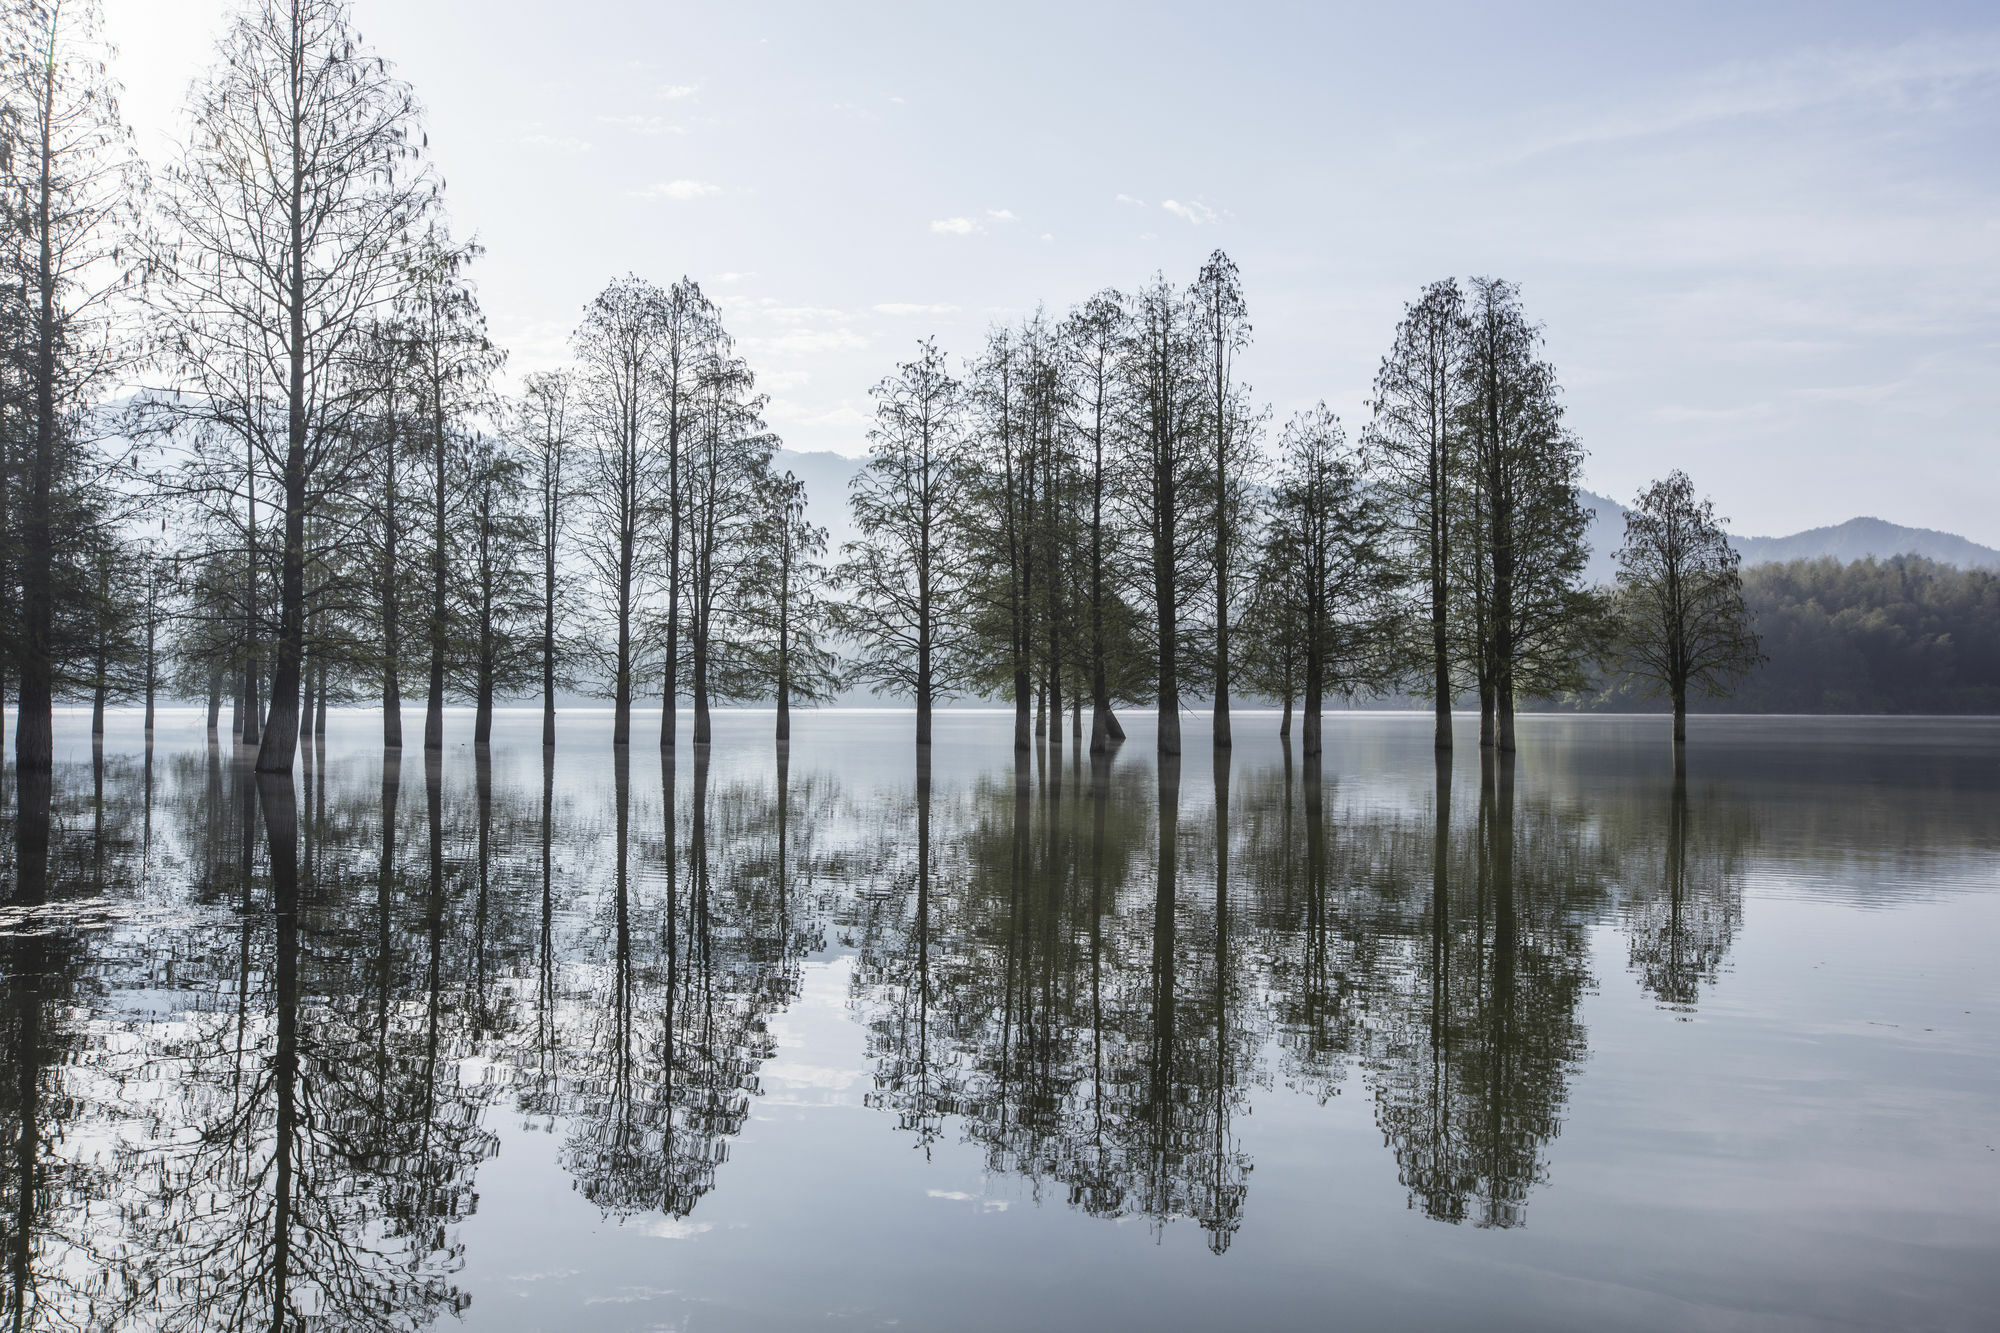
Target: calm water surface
x,y
761,1041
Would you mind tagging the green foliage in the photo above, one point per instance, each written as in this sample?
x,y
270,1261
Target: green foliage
x,y
1901,635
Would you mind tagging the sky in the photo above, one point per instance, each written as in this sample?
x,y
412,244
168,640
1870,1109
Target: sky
x,y
1762,239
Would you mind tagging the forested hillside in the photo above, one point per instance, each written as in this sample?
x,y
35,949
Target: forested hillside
x,y
1902,635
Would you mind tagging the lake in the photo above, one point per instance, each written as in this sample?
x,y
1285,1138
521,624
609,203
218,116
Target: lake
x,y
754,1040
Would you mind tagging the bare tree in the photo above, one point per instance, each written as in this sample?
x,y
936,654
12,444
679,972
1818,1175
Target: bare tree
x,y
728,459
689,329
1681,616
541,421
617,350
902,615
70,185
290,212
451,362
790,602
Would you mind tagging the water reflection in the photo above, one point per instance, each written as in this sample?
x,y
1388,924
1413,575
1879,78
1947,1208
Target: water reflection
x,y
260,1040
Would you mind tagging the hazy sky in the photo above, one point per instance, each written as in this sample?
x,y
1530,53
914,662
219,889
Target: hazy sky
x,y
1763,239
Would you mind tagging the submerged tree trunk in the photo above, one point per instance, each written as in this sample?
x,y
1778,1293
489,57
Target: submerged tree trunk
x,y
214,696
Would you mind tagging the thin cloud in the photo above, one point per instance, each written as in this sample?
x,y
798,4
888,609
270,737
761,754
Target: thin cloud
x,y
643,124
1194,211
912,308
682,189
1128,199
1002,214
561,143
676,92
956,227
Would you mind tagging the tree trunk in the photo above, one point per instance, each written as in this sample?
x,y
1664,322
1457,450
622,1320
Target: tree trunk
x,y
306,712
434,705
319,716
1680,717
34,728
281,727
1285,721
392,627
214,697
701,721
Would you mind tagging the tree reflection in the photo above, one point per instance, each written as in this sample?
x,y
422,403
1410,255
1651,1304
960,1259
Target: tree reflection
x,y
1681,919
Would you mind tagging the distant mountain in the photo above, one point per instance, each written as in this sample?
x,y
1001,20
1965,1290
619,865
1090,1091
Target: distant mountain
x,y
1862,538
826,476
1856,539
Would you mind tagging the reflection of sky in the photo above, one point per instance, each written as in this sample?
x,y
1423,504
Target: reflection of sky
x,y
1759,235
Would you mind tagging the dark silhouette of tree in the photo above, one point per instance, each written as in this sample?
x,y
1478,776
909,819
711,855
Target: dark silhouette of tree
x,y
1534,625
70,186
289,214
617,350
1418,435
1326,547
790,608
1229,426
1162,465
1681,617
728,458
1093,336
542,434
903,613
451,361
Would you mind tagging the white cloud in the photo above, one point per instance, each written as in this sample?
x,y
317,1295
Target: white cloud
x,y
911,308
562,143
1194,210
643,124
1128,199
955,227
673,1228
1001,214
675,92
682,189
1048,236
897,100
724,279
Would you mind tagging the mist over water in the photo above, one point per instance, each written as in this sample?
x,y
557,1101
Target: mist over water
x,y
751,1038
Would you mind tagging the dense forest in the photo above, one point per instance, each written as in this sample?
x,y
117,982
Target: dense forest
x,y
1902,635
258,449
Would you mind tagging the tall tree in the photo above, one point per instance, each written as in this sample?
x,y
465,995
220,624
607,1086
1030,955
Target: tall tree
x,y
502,608
289,213
903,614
729,457
1534,623
1417,436
689,329
70,183
1229,430
451,363
1162,459
790,605
617,351
541,421
995,527
1339,571
1094,335
1681,617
